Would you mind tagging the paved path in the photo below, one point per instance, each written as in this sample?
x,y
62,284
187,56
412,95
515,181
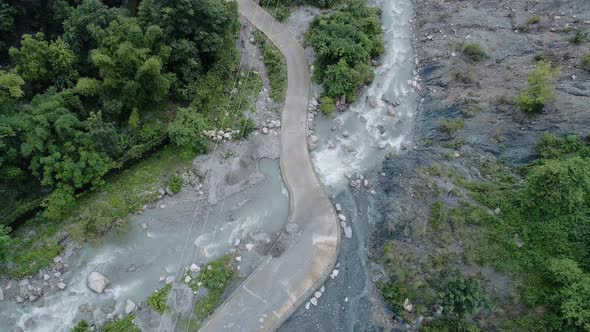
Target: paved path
x,y
282,283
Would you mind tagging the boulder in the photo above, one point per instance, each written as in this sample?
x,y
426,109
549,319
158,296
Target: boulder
x,y
97,282
373,101
61,285
129,307
195,268
408,305
338,207
348,232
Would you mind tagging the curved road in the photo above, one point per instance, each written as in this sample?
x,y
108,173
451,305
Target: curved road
x,y
302,262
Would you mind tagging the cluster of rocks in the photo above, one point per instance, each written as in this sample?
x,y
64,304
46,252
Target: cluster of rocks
x,y
314,299
226,134
342,219
32,289
270,126
312,112
358,181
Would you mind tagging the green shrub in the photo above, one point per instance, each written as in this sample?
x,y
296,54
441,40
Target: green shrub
x,y
539,91
461,296
450,127
474,52
175,183
393,293
123,325
327,105
159,299
534,20
586,62
82,326
216,277
579,38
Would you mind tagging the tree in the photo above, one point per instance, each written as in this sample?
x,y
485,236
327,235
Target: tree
x,y
202,27
572,293
539,91
564,183
44,63
340,80
187,129
131,63
5,243
11,86
7,13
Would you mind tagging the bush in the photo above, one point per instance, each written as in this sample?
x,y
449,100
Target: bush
x,y
451,126
539,91
474,52
586,62
461,296
534,20
159,299
175,183
393,293
327,105
579,38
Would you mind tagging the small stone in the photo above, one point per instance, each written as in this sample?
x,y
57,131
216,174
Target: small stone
x,y
338,207
130,306
408,305
29,322
1,294
187,279
169,279
382,145
236,242
46,276
307,306
341,217
497,211
238,258
348,232
249,246
265,130
322,289
313,139
61,285
195,268
57,260
292,228
33,298
314,301
317,294
19,299
334,274
144,226
345,134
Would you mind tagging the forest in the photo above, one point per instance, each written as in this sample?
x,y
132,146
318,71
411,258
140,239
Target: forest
x,y
89,87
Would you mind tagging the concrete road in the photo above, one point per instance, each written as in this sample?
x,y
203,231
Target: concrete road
x,y
302,260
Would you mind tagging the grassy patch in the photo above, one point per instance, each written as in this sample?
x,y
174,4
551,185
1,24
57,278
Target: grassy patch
x,y
539,91
275,65
123,325
579,38
451,127
159,299
586,62
215,277
534,20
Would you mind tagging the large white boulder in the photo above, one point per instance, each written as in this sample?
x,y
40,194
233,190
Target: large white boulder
x,y
97,282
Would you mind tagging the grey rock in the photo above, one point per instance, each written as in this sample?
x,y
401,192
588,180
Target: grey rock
x,y
169,192
169,279
348,232
61,285
292,228
1,294
338,207
130,307
97,282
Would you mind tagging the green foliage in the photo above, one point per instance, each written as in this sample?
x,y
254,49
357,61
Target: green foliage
x,y
327,105
539,91
451,127
43,63
7,13
187,128
276,66
474,52
345,41
158,300
393,294
175,183
579,38
82,326
586,62
131,62
461,296
5,243
573,293
123,325
216,277
450,325
553,147
11,85
534,20
29,261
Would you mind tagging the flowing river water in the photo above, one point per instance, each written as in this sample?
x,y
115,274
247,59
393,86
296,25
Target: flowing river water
x,y
136,260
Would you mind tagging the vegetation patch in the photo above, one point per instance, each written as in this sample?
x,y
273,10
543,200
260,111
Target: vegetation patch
x,y
579,38
345,41
215,278
586,62
474,52
451,127
539,91
275,65
123,325
159,299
